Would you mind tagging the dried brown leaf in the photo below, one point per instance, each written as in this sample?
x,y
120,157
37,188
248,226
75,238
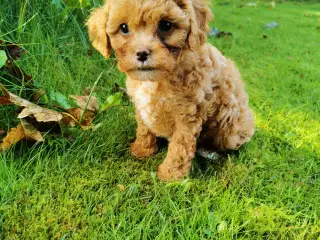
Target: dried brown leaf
x,y
47,127
82,102
87,116
12,71
87,91
4,101
30,132
69,120
14,136
37,95
13,50
31,109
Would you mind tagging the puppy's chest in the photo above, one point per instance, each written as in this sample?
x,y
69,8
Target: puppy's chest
x,y
155,106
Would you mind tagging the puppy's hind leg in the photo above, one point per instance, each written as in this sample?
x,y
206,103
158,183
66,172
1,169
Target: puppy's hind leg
x,y
145,143
236,133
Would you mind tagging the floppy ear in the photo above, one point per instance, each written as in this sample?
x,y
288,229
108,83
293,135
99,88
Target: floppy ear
x,y
97,24
200,16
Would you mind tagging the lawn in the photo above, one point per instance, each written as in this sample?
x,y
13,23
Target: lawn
x,y
92,188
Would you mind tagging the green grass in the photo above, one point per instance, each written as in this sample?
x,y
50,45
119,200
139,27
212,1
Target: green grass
x,y
269,189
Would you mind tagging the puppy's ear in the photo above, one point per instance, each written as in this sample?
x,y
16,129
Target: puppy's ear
x,y
97,24
200,16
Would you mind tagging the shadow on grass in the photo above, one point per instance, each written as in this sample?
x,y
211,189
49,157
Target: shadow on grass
x,y
264,145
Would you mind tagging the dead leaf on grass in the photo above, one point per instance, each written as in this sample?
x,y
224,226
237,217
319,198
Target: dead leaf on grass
x,y
31,109
14,136
4,101
30,132
86,102
53,128
11,71
40,96
74,115
13,50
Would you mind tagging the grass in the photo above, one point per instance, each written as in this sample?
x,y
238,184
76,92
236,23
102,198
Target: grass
x,y
269,189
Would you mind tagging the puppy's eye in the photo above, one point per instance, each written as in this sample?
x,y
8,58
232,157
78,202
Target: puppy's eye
x,y
124,29
164,26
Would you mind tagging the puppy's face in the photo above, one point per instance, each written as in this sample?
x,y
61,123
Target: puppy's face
x,y
147,36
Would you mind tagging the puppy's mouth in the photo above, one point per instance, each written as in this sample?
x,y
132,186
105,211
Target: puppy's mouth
x,y
146,69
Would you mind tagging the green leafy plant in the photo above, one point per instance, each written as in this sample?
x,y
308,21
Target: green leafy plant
x,y
3,58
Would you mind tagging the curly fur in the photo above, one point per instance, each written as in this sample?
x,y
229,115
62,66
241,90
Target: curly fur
x,y
191,94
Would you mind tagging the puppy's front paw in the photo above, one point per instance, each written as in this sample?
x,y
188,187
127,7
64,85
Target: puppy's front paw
x,y
139,150
166,173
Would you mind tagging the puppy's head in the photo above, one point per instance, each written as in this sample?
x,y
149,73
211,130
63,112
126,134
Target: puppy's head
x,y
149,36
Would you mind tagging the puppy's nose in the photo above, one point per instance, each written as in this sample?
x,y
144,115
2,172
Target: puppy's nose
x,y
143,55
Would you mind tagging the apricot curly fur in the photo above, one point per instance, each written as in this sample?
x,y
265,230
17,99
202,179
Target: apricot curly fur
x,y
185,90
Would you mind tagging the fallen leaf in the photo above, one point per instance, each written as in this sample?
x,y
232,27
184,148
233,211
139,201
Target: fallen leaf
x,y
40,113
12,72
13,50
76,115
30,132
45,127
14,136
86,102
87,91
31,109
4,101
2,132
69,120
16,73
40,96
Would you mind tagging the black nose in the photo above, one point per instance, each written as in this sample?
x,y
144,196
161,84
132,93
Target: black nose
x,y
143,55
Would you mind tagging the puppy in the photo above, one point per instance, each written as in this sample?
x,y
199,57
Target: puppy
x,y
183,89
